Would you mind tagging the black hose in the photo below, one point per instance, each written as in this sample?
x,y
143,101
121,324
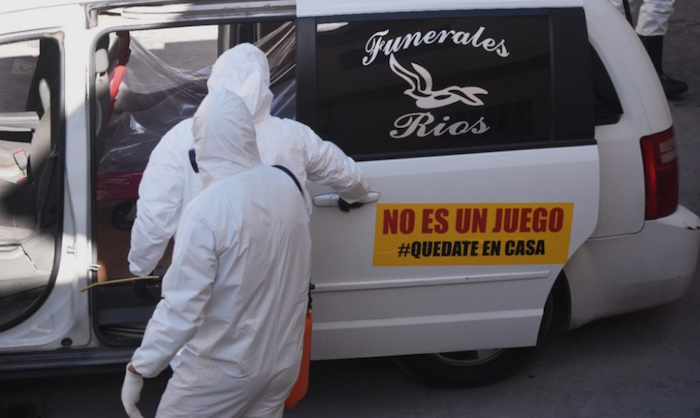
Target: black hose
x,y
628,11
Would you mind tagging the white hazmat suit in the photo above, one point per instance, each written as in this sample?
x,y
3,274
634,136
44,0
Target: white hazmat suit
x,y
235,295
168,182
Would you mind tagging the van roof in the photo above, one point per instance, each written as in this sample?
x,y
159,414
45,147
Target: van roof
x,y
329,8
315,7
15,6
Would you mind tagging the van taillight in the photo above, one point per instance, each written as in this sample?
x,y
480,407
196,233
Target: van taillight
x,y
660,174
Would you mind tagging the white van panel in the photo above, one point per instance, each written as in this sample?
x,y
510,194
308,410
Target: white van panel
x,y
409,309
645,112
616,275
622,193
630,68
46,18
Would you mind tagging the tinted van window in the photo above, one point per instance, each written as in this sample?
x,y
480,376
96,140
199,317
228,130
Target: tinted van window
x,y
420,86
607,105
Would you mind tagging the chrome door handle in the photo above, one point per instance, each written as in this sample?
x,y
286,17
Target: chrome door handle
x,y
331,199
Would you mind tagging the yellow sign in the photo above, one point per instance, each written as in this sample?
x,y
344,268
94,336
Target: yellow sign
x,y
458,234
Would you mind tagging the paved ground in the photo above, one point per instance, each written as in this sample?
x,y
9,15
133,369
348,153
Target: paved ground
x,y
645,364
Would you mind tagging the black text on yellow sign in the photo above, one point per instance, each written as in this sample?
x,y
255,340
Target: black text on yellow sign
x,y
472,234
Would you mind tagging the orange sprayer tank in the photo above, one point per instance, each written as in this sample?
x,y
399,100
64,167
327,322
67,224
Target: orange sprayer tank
x,y
302,384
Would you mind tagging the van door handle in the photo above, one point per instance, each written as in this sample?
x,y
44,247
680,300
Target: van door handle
x,y
331,199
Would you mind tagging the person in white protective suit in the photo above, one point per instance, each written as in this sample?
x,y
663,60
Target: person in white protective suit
x,y
169,180
168,184
235,296
652,25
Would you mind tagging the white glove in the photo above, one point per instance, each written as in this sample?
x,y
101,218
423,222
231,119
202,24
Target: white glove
x,y
131,393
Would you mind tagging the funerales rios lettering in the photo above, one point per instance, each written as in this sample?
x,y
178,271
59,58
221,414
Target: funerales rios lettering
x,y
420,81
379,42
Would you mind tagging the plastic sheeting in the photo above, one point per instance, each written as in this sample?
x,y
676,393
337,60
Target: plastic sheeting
x,y
153,97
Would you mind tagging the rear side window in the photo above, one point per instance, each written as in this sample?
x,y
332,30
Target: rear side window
x,y
607,105
420,85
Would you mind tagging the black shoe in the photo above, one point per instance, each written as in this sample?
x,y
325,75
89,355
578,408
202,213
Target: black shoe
x,y
672,87
655,48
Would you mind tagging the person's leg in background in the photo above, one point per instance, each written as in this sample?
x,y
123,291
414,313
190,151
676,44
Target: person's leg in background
x,y
652,25
651,28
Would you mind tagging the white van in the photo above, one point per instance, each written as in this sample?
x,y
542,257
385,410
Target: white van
x,y
521,157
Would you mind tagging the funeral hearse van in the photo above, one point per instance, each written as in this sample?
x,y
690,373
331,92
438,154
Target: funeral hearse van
x,y
520,153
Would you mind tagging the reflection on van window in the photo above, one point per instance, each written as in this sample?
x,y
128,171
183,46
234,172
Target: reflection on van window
x,y
329,27
29,210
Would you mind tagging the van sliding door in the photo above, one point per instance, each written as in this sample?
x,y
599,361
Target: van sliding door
x,y
476,130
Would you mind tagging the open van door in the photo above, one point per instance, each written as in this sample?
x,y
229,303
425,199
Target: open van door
x,y
40,256
475,130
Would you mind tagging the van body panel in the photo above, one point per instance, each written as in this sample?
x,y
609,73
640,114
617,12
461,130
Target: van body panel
x,y
665,254
638,81
356,302
622,193
645,112
68,17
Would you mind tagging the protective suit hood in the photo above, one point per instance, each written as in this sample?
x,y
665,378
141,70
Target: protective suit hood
x,y
244,70
224,137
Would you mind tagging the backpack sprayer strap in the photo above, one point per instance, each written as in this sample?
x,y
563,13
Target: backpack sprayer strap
x,y
289,173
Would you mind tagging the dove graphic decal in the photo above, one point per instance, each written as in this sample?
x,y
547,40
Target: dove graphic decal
x,y
421,90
